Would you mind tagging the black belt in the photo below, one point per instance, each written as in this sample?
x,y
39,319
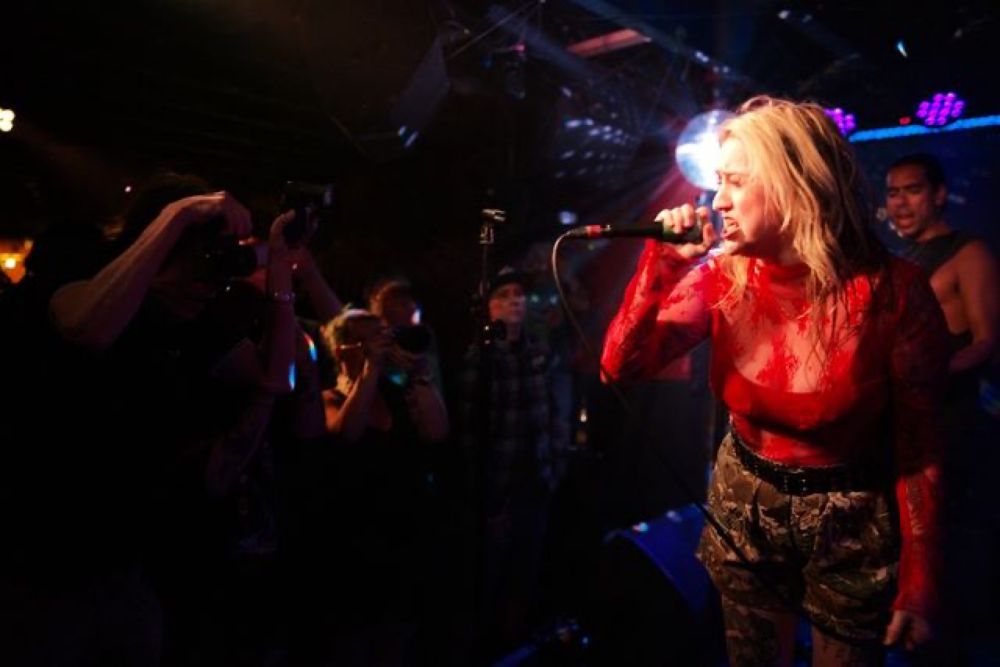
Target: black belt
x,y
798,481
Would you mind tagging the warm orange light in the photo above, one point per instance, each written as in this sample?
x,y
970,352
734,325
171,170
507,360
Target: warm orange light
x,y
612,41
13,252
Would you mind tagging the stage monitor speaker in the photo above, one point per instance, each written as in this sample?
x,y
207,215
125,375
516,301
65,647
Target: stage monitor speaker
x,y
659,604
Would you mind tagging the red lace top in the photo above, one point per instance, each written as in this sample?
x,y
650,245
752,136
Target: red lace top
x,y
878,370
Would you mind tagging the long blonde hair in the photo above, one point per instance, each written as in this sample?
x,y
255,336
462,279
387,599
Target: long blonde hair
x,y
812,180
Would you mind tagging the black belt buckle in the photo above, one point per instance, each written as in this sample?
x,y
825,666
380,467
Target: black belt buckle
x,y
798,481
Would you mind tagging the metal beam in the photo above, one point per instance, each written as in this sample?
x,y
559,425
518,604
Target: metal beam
x,y
612,41
616,15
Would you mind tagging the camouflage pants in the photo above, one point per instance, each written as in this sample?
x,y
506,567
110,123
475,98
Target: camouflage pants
x,y
834,553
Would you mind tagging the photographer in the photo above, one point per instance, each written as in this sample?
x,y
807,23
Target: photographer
x,y
165,273
364,348
391,299
366,559
205,388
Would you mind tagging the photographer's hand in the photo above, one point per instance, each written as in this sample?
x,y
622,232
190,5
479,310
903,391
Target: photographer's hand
x,y
299,235
200,209
93,313
277,246
349,420
379,349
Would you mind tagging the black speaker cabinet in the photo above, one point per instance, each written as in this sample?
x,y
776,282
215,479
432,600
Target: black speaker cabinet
x,y
659,604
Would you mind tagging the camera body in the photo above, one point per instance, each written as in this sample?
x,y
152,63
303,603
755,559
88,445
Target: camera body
x,y
227,257
413,338
224,257
310,201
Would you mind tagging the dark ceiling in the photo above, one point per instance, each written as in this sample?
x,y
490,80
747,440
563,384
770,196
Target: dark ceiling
x,y
252,92
257,91
264,84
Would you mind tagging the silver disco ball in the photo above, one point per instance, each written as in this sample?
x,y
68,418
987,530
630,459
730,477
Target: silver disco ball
x,y
697,151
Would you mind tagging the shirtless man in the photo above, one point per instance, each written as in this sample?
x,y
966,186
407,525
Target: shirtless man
x,y
965,278
963,273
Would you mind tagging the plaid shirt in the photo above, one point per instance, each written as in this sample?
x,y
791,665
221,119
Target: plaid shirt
x,y
527,438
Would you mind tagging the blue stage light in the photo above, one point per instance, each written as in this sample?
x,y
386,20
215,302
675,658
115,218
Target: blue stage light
x,y
879,134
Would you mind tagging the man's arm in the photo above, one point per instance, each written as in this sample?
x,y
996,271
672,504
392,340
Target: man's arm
x,y
93,313
427,410
230,455
918,369
325,303
979,289
348,420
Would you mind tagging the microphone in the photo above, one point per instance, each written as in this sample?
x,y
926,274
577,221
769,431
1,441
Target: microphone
x,y
653,231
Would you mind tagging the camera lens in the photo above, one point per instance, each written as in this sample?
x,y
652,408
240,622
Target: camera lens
x,y
231,260
415,339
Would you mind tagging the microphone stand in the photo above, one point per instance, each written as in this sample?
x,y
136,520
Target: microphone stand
x,y
488,333
487,237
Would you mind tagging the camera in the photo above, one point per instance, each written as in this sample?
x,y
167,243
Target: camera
x,y
414,338
225,257
310,201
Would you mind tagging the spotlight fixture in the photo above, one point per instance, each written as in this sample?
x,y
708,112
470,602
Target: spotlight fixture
x,y
844,121
940,109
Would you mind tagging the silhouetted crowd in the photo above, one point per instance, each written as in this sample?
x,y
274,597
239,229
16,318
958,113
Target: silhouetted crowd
x,y
213,461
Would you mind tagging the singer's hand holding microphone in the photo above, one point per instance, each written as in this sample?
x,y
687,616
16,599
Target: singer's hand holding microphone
x,y
692,228
685,227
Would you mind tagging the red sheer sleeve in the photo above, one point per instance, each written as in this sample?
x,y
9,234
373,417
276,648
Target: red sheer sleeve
x,y
919,372
663,315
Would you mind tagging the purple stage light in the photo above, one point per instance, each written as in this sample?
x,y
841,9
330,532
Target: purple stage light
x,y
845,122
940,109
